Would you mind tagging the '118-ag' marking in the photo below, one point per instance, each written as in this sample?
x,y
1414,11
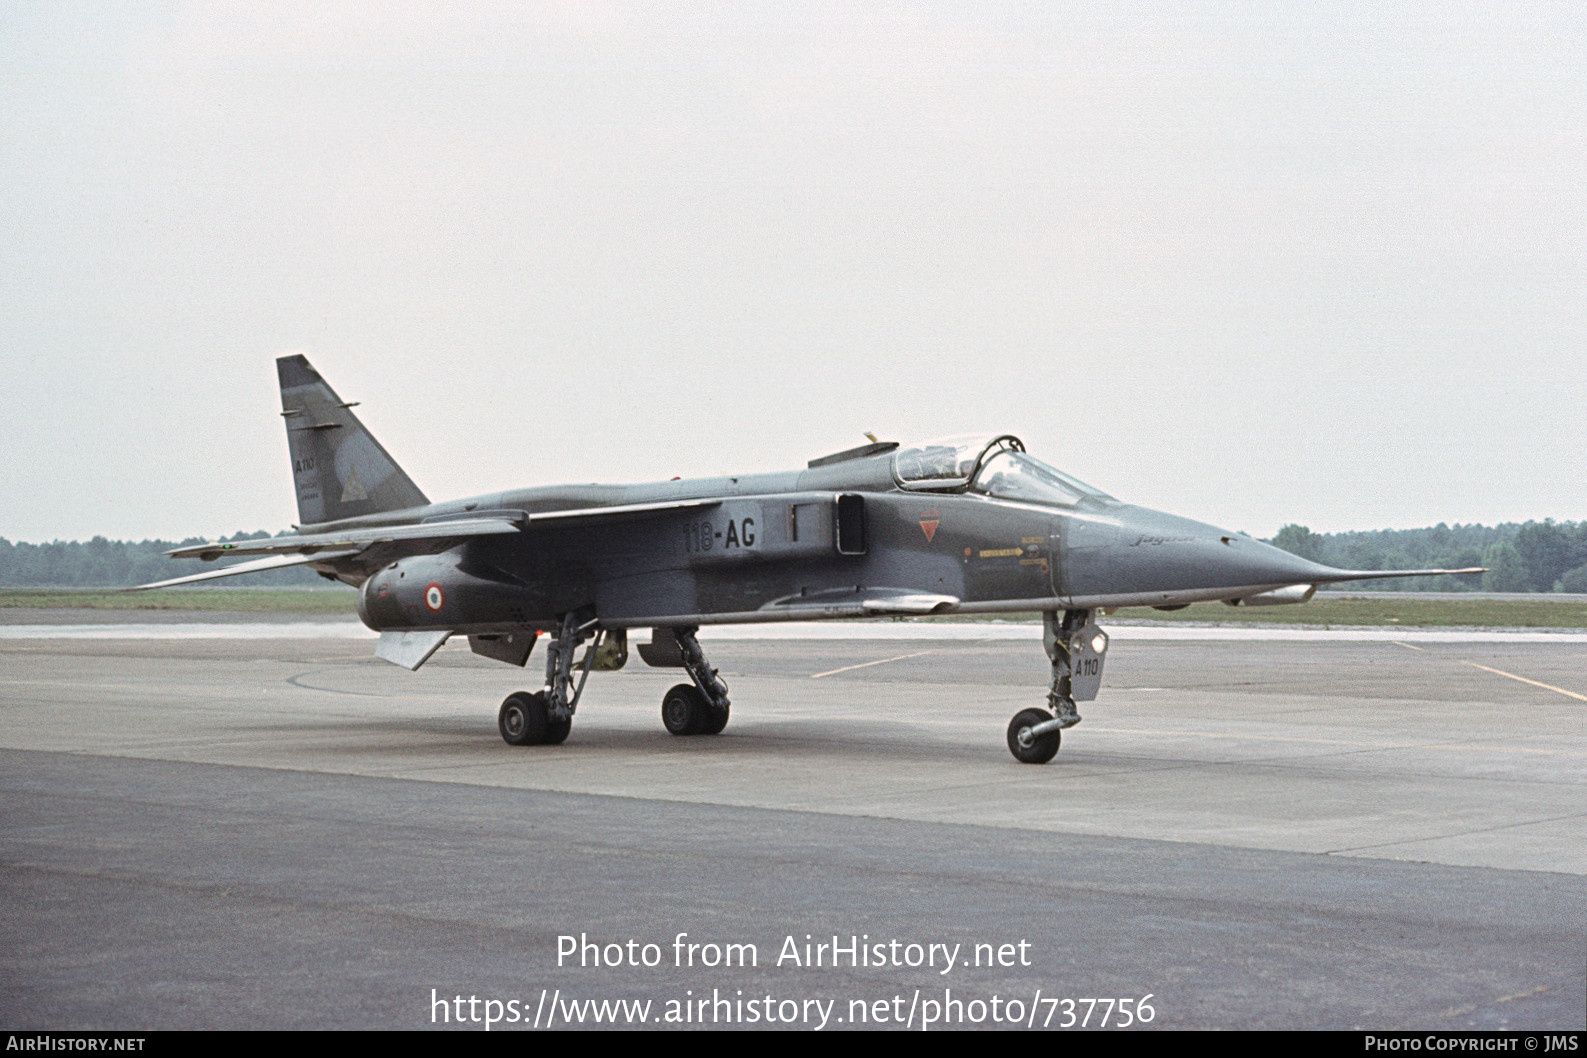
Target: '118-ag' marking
x,y
702,536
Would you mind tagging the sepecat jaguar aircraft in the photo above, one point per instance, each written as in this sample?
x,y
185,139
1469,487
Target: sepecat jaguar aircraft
x,y
962,525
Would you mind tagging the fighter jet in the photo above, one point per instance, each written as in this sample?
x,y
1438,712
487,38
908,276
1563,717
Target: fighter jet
x,y
962,525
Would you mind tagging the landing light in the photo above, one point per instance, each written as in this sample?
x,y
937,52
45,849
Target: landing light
x,y
1099,643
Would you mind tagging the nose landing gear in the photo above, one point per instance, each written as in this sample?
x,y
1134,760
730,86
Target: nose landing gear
x,y
1075,646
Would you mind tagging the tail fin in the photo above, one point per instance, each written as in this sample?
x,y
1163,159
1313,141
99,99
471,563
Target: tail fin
x,y
340,470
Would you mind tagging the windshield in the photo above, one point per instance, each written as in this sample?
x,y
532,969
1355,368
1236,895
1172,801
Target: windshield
x,y
1017,476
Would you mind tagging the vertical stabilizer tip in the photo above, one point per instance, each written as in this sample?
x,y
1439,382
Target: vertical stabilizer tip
x,y
296,371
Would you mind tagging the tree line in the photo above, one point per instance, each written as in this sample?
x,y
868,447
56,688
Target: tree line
x,y
1534,557
101,563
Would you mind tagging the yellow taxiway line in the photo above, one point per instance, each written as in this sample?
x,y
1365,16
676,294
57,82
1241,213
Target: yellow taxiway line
x,y
1506,675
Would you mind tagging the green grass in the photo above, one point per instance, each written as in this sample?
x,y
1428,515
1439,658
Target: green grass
x,y
237,600
1481,613
1323,611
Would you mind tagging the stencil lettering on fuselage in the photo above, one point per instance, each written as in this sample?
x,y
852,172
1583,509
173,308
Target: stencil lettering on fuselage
x,y
730,528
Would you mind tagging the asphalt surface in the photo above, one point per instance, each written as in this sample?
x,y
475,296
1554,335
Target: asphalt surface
x,y
289,833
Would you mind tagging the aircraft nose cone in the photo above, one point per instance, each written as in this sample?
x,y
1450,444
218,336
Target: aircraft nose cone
x,y
1136,550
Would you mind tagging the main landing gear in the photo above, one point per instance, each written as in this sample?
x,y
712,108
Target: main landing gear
x,y
1075,646
700,708
544,717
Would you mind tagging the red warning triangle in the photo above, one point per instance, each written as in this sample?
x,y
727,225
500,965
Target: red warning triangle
x,y
929,523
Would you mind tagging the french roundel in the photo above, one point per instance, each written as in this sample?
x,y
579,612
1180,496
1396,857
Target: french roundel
x,y
434,597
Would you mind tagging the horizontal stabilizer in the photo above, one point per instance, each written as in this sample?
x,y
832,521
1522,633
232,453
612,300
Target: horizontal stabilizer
x,y
409,649
353,540
256,566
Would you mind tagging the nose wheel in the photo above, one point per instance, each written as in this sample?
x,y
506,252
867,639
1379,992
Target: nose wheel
x,y
1034,736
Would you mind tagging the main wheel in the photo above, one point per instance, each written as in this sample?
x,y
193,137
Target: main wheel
x,y
557,731
685,711
523,719
715,720
1028,750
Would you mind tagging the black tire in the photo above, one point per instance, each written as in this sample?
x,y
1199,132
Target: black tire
x,y
557,731
684,710
1041,749
715,721
523,719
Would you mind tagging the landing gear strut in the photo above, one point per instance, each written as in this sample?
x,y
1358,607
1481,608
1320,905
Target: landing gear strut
x,y
545,717
701,708
1075,646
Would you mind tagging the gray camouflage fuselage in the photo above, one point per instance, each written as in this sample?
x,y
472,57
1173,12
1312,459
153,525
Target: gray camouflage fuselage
x,y
771,551
960,525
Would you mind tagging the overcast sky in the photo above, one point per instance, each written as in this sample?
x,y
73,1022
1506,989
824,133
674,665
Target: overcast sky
x,y
1251,263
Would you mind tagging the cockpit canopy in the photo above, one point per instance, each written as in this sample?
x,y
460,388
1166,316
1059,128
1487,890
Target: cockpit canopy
x,y
994,464
948,462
